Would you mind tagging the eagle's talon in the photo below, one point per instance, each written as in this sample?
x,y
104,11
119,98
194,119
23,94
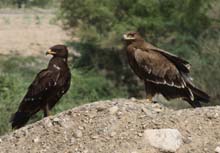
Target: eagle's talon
x,y
149,100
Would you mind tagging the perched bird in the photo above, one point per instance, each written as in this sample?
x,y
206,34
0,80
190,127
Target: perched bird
x,y
47,88
161,71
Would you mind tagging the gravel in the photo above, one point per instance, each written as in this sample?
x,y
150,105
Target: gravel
x,y
116,126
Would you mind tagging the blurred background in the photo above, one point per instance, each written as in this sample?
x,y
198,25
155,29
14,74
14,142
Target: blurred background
x,y
92,30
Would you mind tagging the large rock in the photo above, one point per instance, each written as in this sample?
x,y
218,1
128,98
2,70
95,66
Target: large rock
x,y
164,139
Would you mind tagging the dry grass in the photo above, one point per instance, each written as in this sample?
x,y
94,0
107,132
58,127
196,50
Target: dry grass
x,y
28,32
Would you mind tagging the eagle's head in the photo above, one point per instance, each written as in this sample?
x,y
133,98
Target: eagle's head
x,y
132,36
58,51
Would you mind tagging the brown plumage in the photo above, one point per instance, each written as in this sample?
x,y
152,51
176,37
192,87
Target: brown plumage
x,y
162,72
47,88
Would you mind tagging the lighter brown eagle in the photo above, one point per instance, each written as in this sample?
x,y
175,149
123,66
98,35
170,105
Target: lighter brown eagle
x,y
162,72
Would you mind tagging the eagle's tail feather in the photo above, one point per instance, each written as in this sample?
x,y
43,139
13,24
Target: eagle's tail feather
x,y
19,119
197,94
194,103
200,95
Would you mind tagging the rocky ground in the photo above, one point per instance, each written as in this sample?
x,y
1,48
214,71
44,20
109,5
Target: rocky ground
x,y
120,126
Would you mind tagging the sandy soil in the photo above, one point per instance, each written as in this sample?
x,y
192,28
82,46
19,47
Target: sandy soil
x,y
29,32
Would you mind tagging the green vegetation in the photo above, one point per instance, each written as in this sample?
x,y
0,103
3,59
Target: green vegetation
x,y
104,22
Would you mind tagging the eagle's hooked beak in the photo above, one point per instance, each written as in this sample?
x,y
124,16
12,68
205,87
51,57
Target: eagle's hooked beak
x,y
50,52
126,37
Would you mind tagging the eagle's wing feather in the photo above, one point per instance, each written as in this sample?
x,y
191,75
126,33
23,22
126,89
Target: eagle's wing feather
x,y
156,68
42,84
181,64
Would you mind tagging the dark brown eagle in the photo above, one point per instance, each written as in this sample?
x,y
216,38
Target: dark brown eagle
x,y
47,88
161,71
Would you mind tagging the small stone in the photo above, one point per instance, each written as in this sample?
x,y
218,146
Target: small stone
x,y
140,134
119,113
113,134
86,151
156,105
217,149
94,136
113,110
168,140
81,128
100,108
77,134
56,119
47,122
36,140
133,99
187,140
72,141
158,110
143,109
212,115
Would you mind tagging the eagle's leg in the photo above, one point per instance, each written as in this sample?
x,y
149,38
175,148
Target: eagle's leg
x,y
150,91
46,110
149,99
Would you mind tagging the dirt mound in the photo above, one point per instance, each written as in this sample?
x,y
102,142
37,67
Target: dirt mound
x,y
116,126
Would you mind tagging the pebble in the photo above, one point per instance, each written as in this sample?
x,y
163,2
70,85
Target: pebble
x,y
156,105
36,140
113,134
47,122
217,149
158,110
144,110
56,119
119,113
206,149
85,151
140,134
81,128
100,108
113,110
187,140
133,99
212,115
72,141
94,136
77,134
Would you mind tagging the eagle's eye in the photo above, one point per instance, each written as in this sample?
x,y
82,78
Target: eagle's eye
x,y
132,35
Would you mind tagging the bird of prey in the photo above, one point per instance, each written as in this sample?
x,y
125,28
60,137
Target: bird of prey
x,y
162,72
47,88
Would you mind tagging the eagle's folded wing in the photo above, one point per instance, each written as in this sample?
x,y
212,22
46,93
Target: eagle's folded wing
x,y
156,68
181,64
43,83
